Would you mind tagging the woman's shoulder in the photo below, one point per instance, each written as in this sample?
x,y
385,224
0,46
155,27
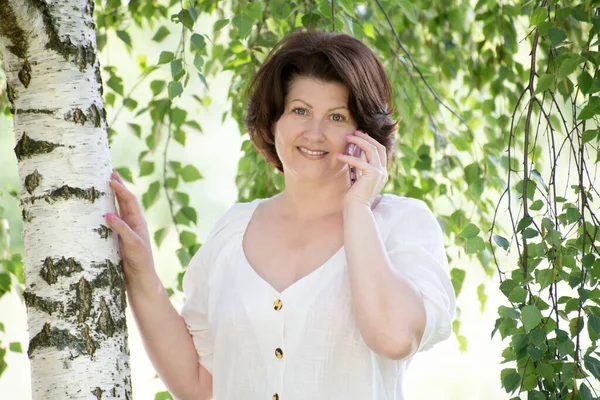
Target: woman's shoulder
x,y
405,214
233,220
393,204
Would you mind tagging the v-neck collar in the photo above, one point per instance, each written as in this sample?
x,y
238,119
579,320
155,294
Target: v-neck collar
x,y
297,283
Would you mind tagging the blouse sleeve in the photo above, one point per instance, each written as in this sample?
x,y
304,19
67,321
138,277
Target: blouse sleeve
x,y
416,250
196,289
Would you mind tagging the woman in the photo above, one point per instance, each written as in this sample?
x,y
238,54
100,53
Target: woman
x,y
324,291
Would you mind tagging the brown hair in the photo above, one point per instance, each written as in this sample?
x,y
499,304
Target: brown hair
x,y
329,57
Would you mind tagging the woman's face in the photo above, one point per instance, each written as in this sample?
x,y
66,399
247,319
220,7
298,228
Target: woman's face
x,y
315,118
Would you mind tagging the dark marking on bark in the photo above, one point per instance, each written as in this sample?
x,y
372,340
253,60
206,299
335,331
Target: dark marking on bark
x,y
10,28
32,181
105,324
10,92
41,303
26,215
104,231
98,393
111,276
27,147
99,79
25,74
90,344
34,111
58,338
63,267
82,56
93,114
66,192
82,306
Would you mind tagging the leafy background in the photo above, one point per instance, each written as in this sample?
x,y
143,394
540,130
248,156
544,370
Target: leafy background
x,y
504,154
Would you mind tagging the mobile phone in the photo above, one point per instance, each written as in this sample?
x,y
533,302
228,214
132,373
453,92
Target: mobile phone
x,y
353,150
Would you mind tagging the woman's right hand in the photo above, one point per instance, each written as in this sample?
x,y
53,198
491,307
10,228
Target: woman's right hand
x,y
132,230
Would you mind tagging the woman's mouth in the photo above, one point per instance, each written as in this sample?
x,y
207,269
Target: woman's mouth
x,y
312,155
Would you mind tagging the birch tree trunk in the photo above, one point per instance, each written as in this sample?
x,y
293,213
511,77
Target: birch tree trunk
x,y
74,287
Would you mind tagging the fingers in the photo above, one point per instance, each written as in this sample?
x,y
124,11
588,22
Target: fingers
x,y
128,204
370,150
381,150
123,230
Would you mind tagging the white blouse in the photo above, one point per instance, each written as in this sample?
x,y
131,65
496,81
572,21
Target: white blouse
x,y
303,343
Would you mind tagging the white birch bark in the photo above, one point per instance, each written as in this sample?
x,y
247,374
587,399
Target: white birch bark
x,y
75,293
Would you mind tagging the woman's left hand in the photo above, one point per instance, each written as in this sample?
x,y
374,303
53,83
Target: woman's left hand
x,y
373,171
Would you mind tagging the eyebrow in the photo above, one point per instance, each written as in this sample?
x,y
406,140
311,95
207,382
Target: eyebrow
x,y
331,109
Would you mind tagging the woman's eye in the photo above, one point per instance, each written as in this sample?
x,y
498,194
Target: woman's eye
x,y
338,118
299,111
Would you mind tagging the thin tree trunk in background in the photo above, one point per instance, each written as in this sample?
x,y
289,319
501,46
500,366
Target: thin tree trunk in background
x,y
74,287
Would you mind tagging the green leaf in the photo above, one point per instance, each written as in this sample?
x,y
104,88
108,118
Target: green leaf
x,y
518,295
538,16
531,317
198,41
457,277
190,173
165,57
157,86
589,111
202,79
529,233
593,365
220,24
254,10
177,69
178,116
130,103
182,198
408,9
151,195
186,19
544,82
594,326
187,238
585,82
15,347
557,36
589,135
198,62
501,241
116,84
536,205
524,223
161,34
510,379
470,231
175,89
243,23
575,326
146,168
568,66
124,36
159,236
474,245
125,174
163,396
179,136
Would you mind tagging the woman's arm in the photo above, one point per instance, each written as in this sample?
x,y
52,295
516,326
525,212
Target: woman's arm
x,y
167,340
164,332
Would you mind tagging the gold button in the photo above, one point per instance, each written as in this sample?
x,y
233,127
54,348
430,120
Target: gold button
x,y
275,396
277,304
278,353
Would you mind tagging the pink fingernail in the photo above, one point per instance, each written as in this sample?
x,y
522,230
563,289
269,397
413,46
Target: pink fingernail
x,y
110,217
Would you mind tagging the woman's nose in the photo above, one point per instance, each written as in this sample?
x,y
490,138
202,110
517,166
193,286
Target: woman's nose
x,y
314,129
